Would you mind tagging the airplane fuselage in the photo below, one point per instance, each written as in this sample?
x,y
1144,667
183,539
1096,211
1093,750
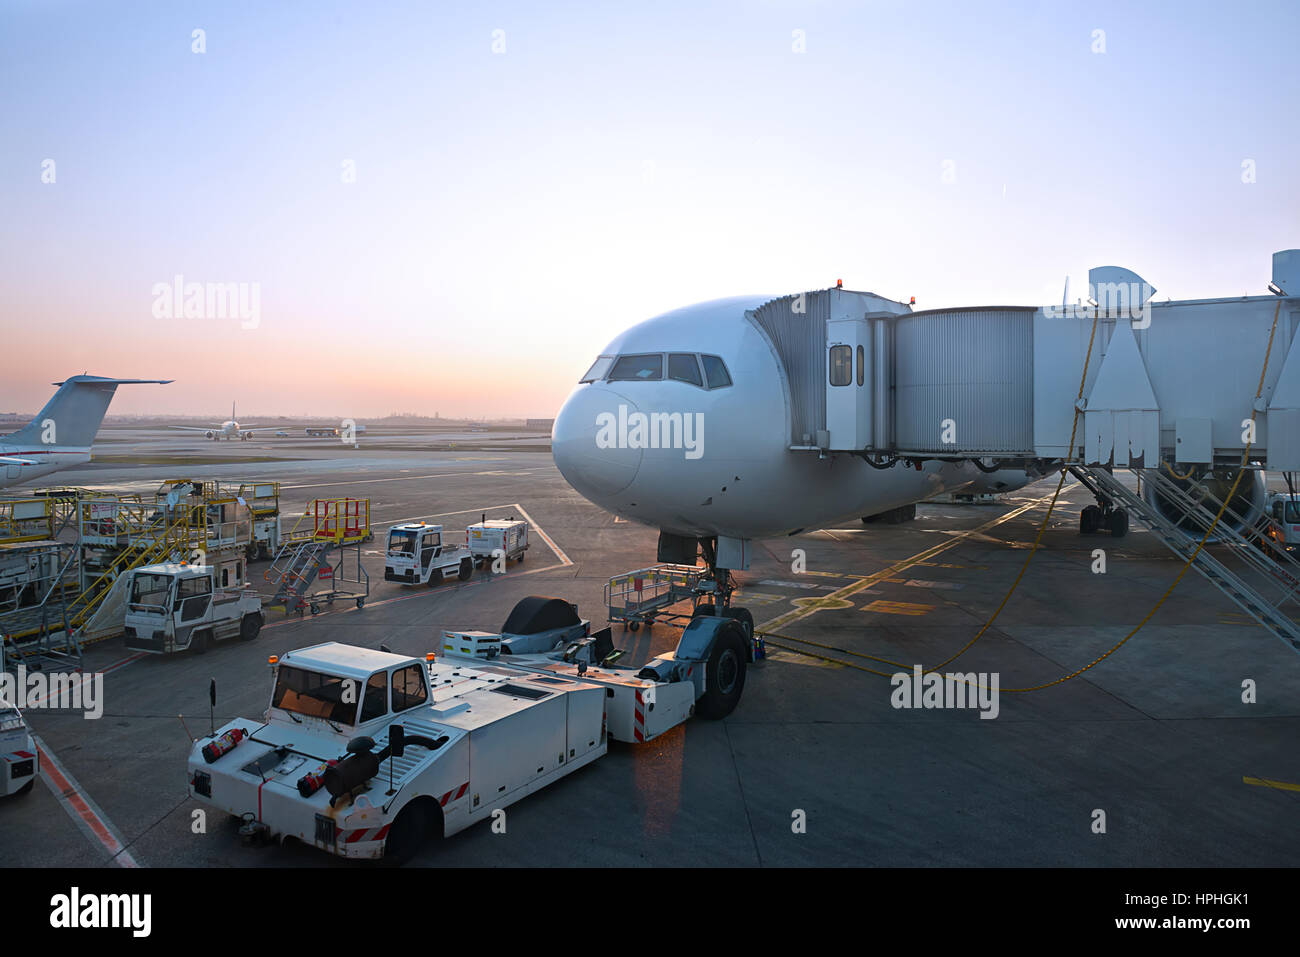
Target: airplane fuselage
x,y
46,460
728,468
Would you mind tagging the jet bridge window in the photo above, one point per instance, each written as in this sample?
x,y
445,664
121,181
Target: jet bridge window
x,y
684,367
715,372
841,365
649,366
598,369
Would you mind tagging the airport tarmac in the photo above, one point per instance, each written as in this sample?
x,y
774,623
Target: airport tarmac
x,y
1156,736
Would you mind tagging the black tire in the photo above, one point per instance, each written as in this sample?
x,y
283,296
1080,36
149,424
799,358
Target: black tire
x,y
407,835
361,603
466,570
724,675
1089,520
1118,523
25,789
520,558
315,608
250,552
201,641
743,616
249,627
634,626
706,608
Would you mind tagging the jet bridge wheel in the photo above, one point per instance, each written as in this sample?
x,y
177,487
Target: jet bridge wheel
x,y
1089,519
725,673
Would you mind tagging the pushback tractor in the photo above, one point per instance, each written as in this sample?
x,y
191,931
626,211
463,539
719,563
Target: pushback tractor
x,y
367,754
176,606
419,554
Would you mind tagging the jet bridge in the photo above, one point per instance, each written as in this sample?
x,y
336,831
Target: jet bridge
x,y
1175,391
1165,381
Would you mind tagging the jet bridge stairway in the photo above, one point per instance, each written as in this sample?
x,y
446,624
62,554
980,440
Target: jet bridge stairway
x,y
1264,581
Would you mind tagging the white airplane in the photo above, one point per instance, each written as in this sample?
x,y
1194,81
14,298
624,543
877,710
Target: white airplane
x,y
738,481
62,432
230,429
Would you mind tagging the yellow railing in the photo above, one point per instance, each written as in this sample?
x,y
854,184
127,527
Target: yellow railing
x,y
26,520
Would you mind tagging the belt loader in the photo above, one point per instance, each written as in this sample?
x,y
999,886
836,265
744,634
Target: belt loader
x,y
367,754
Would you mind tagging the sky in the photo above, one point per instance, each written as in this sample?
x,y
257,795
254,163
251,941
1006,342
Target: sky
x,y
451,208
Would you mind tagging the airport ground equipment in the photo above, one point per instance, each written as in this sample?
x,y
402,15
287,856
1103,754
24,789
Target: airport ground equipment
x,y
26,519
647,595
1283,520
76,590
366,754
420,554
260,530
19,760
323,546
177,606
537,623
509,536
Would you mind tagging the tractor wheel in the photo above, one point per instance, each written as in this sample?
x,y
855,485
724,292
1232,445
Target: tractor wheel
x,y
249,627
725,674
405,837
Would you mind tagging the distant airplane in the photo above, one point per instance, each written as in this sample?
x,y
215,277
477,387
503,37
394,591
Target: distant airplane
x,y
61,433
229,429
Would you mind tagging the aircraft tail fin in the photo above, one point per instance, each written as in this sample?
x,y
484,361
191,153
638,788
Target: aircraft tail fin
x,y
74,413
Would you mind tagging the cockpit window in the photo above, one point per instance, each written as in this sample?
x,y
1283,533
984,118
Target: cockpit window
x,y
598,369
644,367
715,372
684,367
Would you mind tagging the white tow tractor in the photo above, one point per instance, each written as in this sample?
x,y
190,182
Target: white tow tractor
x,y
1283,518
19,762
176,605
366,754
504,537
419,554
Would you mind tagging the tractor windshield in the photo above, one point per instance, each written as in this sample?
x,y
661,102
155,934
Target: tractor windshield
x,y
401,543
149,590
316,695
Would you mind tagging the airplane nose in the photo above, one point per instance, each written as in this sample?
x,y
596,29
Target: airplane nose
x,y
586,442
